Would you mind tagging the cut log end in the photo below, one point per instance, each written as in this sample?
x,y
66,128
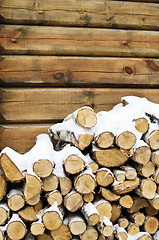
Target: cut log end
x,y
37,228
107,231
74,164
141,125
148,189
3,186
154,140
43,168
86,118
3,215
93,219
65,185
51,220
84,140
10,170
151,225
104,177
53,197
73,202
126,140
105,140
90,233
62,233
88,197
142,155
50,183
110,157
77,227
85,184
126,201
16,202
16,230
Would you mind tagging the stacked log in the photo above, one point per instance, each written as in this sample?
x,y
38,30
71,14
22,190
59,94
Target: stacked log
x,y
99,180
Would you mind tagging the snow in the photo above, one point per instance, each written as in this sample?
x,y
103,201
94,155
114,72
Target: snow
x,y
90,209
14,192
63,131
54,208
106,222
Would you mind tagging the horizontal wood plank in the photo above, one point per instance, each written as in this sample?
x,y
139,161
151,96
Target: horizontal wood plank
x,y
21,137
94,13
77,71
48,105
46,40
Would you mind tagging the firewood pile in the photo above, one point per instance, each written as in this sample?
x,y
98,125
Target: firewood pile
x,y
94,176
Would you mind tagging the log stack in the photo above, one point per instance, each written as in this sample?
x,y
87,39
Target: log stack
x,y
97,179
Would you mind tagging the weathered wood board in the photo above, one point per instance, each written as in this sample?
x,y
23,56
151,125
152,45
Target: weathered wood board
x,y
77,71
108,14
21,137
51,105
15,39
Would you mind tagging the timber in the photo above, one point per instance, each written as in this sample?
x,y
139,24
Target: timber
x,y
83,13
78,41
35,101
77,71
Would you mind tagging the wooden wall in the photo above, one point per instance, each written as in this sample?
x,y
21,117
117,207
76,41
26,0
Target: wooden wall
x,y
59,55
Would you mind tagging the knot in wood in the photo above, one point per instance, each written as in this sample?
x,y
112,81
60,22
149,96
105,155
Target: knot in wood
x,y
59,75
128,70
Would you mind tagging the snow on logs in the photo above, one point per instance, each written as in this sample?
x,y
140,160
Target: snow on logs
x,y
99,180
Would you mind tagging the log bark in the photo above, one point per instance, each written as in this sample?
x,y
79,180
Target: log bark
x,y
155,202
155,158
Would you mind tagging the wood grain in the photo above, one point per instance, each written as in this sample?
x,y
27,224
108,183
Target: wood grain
x,y
82,13
21,137
49,105
78,71
78,41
